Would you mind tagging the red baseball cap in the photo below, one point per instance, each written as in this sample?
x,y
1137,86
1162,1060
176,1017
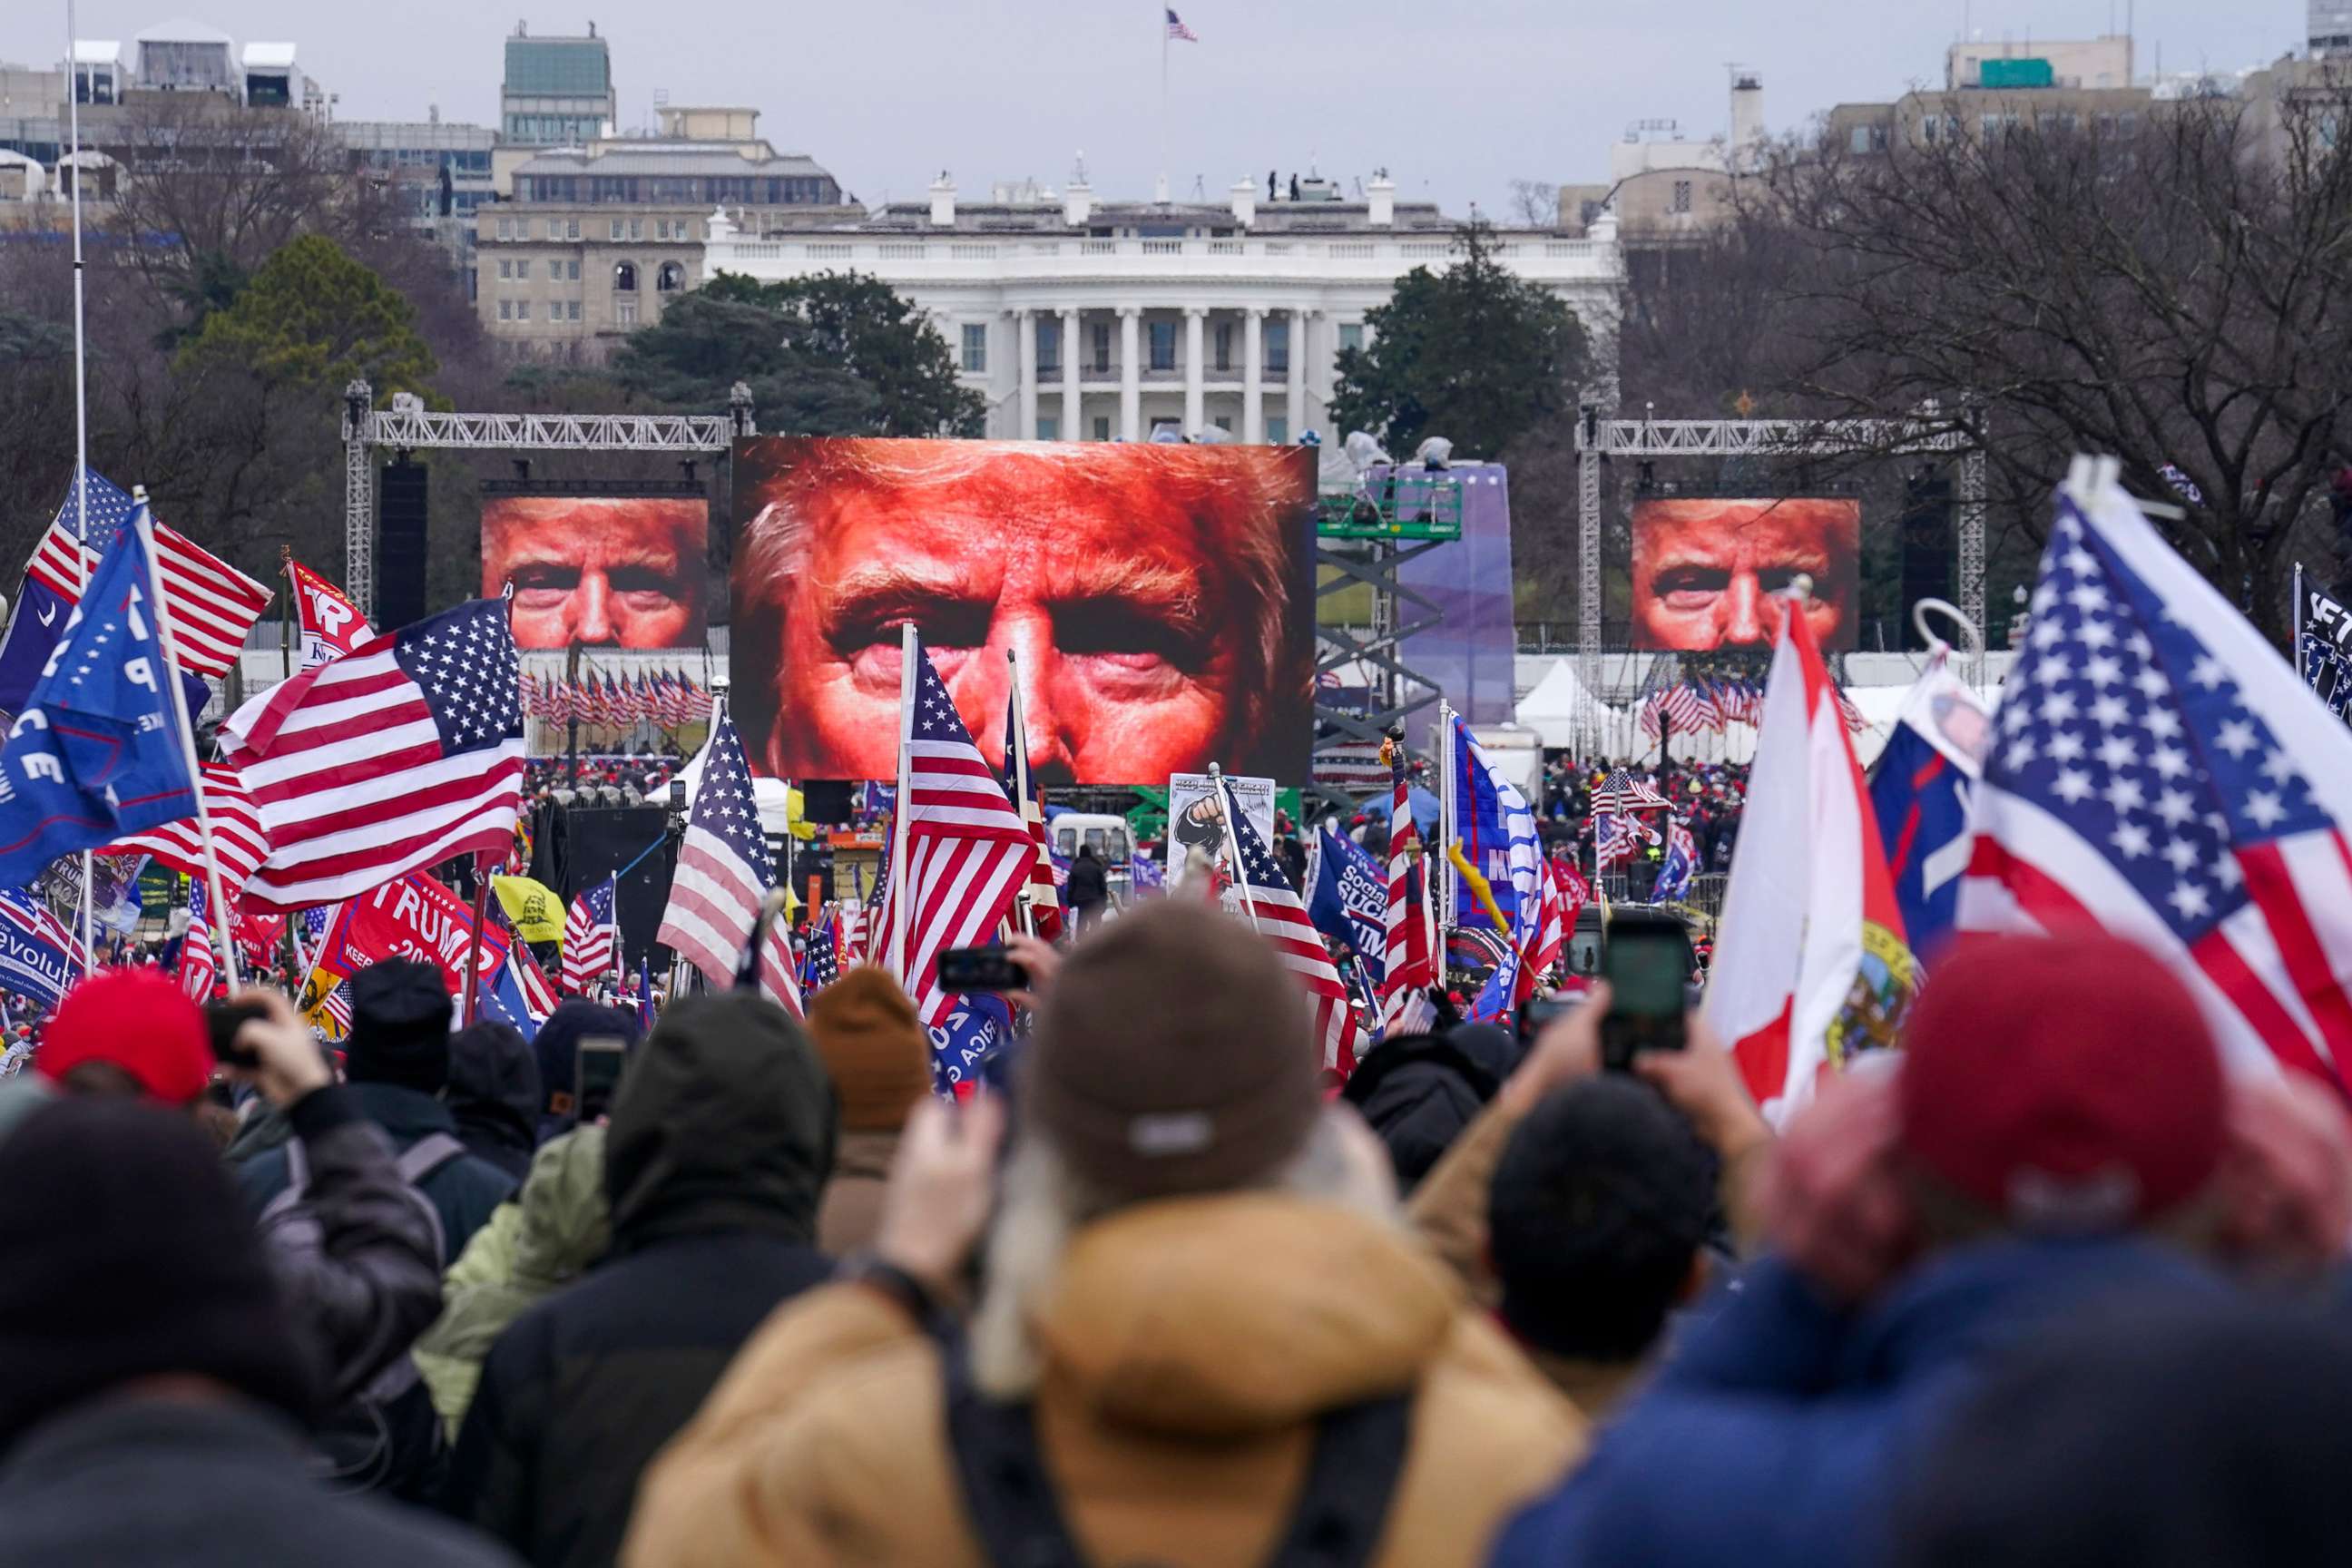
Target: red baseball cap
x,y
2069,1082
141,1022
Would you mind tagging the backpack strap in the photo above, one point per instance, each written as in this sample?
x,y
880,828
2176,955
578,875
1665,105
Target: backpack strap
x,y
428,1154
1336,1522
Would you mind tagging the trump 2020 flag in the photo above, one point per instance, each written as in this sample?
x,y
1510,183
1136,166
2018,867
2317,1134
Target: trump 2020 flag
x,y
1811,964
1920,793
97,752
2158,770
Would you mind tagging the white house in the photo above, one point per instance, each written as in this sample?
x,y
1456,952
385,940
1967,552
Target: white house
x,y
1087,322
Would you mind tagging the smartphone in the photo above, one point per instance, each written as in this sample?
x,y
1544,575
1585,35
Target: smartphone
x,y
980,969
222,1021
1646,959
596,1064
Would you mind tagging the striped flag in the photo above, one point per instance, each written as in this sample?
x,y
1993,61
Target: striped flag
x,y
823,966
1281,918
1042,894
538,995
40,956
213,604
238,839
967,851
1408,969
198,963
1178,32
331,624
404,752
2158,769
724,872
590,933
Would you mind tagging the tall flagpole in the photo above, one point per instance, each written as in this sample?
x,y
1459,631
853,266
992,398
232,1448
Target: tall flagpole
x,y
81,430
910,645
145,524
1449,830
1159,13
1018,744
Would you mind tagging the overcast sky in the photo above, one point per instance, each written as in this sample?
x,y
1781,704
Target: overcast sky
x,y
1455,97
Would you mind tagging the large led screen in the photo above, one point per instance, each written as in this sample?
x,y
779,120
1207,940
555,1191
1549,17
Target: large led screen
x,y
1160,599
1706,571
606,571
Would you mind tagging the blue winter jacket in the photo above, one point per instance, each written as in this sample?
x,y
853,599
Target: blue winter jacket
x,y
1784,1428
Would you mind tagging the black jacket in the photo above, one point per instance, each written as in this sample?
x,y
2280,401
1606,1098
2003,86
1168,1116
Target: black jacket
x,y
1089,885
721,1134
463,1192
198,1485
495,1096
1419,1091
375,1282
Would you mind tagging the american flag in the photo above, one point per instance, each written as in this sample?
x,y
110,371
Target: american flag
x,y
2158,770
538,995
337,1006
1178,31
238,839
404,752
723,875
823,964
1040,895
1410,970
213,604
856,915
1710,711
1281,920
967,850
1621,791
588,933
1351,767
1617,839
1681,705
198,963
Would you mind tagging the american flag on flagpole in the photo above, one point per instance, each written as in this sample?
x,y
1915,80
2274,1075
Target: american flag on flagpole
x,y
239,840
1178,31
823,966
404,752
1621,791
2158,770
967,850
214,604
538,995
1281,920
590,934
198,963
724,873
1408,970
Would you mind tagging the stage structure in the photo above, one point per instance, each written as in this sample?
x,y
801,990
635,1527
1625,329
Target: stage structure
x,y
1367,535
409,427
1599,438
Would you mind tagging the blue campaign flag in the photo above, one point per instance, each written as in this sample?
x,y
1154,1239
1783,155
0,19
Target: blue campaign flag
x,y
33,633
42,609
1350,899
501,999
98,752
1920,793
37,952
979,1025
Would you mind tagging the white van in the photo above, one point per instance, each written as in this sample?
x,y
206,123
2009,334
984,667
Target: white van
x,y
1112,839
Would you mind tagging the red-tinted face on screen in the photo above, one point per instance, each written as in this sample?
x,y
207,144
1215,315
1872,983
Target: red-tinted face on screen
x,y
605,572
1704,572
1145,592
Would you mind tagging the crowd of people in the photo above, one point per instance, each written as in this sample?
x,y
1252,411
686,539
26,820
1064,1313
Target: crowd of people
x,y
2050,1284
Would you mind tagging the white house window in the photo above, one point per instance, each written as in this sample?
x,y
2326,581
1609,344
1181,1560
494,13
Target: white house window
x,y
1351,335
625,312
1049,428
670,278
976,347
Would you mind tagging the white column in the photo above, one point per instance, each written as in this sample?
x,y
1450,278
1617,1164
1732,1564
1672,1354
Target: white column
x,y
1252,367
1297,387
1131,372
1025,324
1071,431
1195,416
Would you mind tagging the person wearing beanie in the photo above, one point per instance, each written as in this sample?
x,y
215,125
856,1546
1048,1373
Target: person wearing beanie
x,y
495,1095
396,1063
878,1056
557,1047
2048,1148
721,1134
157,1389
1194,1281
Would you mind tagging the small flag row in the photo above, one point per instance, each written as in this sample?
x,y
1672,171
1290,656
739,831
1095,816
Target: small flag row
x,y
669,700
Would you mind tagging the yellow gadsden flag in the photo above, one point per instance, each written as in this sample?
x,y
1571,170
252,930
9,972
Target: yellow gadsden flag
x,y
536,911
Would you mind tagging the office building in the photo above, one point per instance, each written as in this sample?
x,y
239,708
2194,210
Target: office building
x,y
558,91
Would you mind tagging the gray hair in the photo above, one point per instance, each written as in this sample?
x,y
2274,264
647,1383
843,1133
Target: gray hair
x,y
1043,1204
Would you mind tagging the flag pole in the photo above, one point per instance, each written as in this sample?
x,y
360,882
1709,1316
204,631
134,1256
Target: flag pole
x,y
1449,831
1233,839
142,520
909,648
82,431
285,621
1018,742
1160,13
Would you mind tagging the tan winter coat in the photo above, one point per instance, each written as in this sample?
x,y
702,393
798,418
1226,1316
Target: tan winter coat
x,y
1189,1347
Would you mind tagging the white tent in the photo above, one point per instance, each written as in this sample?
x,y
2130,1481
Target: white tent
x,y
1559,701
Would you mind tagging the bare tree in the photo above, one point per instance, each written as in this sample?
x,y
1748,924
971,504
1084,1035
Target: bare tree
x,y
2172,293
1534,204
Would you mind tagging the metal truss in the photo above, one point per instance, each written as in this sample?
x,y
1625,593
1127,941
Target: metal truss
x,y
1398,612
408,426
1597,438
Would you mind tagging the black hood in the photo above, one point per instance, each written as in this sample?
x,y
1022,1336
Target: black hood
x,y
494,1090
1418,1093
724,1121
